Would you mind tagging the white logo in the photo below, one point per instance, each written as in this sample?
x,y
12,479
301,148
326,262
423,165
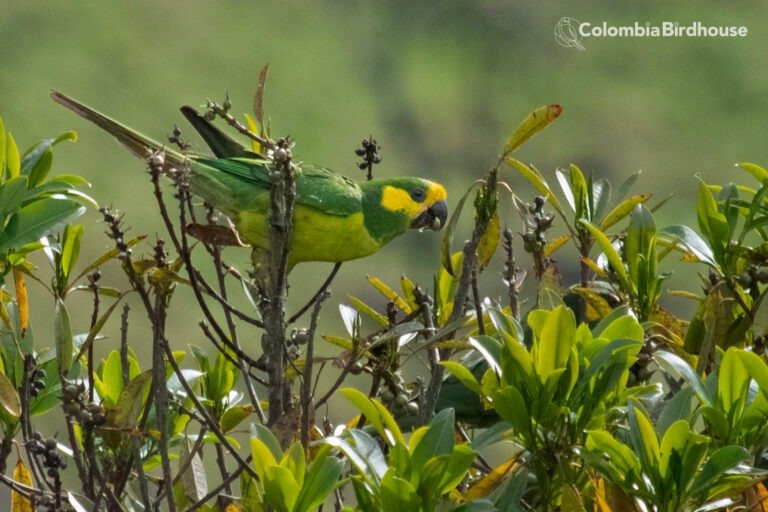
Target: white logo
x,y
567,33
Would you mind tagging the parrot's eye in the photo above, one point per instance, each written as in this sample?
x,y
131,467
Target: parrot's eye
x,y
418,195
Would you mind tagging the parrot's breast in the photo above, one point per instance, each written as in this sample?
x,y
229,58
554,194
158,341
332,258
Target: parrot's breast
x,y
317,236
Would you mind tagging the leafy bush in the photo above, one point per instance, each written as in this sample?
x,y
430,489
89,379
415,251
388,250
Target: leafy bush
x,y
583,396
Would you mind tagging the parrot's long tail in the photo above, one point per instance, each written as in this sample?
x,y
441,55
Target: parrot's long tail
x,y
136,143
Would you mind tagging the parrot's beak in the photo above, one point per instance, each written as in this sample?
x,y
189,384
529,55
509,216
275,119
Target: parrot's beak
x,y
433,218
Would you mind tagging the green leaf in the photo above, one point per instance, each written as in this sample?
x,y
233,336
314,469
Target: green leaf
x,y
622,210
685,371
263,457
12,194
732,385
366,406
511,406
63,337
295,461
12,161
531,125
692,242
280,488
639,241
712,223
2,151
554,342
535,178
397,494
38,219
438,440
235,415
461,459
490,349
70,249
462,373
759,173
580,193
107,256
450,230
9,398
719,462
644,440
610,252
321,479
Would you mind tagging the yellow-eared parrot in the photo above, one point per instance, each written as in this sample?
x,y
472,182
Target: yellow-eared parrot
x,y
335,220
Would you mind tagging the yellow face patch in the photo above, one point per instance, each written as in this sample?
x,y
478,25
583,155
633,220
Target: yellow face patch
x,y
398,199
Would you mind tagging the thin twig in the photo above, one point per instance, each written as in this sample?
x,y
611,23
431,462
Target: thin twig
x,y
318,295
307,410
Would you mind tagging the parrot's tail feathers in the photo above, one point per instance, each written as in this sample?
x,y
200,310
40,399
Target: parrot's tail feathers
x,y
141,146
222,145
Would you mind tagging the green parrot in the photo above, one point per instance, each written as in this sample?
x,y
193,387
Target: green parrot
x,y
335,218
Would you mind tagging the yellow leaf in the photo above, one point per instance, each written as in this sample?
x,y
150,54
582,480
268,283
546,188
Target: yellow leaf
x,y
253,127
21,299
531,125
555,244
21,475
489,482
489,242
390,295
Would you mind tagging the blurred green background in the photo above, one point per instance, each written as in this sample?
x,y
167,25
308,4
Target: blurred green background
x,y
440,85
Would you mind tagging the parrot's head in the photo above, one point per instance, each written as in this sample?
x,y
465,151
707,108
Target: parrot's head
x,y
397,204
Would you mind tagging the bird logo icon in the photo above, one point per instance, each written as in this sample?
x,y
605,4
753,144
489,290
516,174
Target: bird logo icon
x,y
567,33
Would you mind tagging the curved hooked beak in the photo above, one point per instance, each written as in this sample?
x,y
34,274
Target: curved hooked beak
x,y
433,218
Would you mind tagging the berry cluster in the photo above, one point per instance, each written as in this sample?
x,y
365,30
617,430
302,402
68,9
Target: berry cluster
x,y
370,154
399,399
36,382
88,414
46,450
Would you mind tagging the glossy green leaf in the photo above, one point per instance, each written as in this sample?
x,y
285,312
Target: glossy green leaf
x,y
366,407
532,124
70,249
554,341
732,384
644,440
580,193
38,219
263,456
639,240
712,223
280,488
398,494
621,210
461,459
536,179
759,173
12,160
438,439
321,479
685,371
490,349
610,253
12,194
63,337
235,415
692,242
567,188
719,462
462,373
511,406
295,461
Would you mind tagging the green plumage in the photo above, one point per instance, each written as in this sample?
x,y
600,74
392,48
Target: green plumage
x,y
335,220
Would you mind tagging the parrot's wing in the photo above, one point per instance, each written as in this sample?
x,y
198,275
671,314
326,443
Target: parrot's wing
x,y
222,145
316,187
